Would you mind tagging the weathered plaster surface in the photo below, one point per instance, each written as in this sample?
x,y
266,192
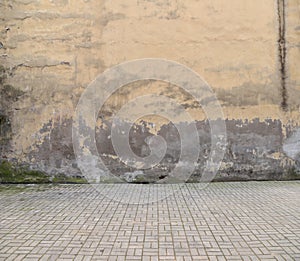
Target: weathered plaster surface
x,y
248,52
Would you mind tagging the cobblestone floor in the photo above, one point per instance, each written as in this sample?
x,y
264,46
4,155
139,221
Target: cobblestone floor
x,y
225,221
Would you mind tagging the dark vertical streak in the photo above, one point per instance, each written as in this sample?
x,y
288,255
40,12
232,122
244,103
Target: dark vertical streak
x,y
282,52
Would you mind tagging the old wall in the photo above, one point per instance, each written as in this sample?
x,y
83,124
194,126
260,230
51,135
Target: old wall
x,y
247,51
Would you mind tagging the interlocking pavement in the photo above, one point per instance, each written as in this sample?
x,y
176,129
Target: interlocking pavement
x,y
223,221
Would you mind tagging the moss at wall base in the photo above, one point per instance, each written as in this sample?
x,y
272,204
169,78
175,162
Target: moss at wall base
x,y
10,174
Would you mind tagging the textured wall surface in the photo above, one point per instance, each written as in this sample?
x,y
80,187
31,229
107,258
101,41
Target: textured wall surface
x,y
247,51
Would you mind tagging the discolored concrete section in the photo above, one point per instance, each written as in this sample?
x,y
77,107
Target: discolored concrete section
x,y
224,221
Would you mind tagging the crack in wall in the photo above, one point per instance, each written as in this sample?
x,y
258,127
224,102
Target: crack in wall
x,y
282,52
63,63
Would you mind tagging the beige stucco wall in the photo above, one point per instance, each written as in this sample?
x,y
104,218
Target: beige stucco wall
x,y
54,49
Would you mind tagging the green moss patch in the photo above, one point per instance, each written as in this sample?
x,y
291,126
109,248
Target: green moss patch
x,y
61,178
10,174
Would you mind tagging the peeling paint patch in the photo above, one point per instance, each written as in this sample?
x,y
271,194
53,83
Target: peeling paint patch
x,y
254,151
54,154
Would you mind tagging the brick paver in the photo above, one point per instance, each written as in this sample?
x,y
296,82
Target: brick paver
x,y
224,221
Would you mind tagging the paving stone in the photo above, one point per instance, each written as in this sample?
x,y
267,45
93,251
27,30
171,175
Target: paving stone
x,y
224,221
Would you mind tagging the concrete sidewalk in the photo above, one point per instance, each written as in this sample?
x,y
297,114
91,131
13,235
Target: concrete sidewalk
x,y
224,221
